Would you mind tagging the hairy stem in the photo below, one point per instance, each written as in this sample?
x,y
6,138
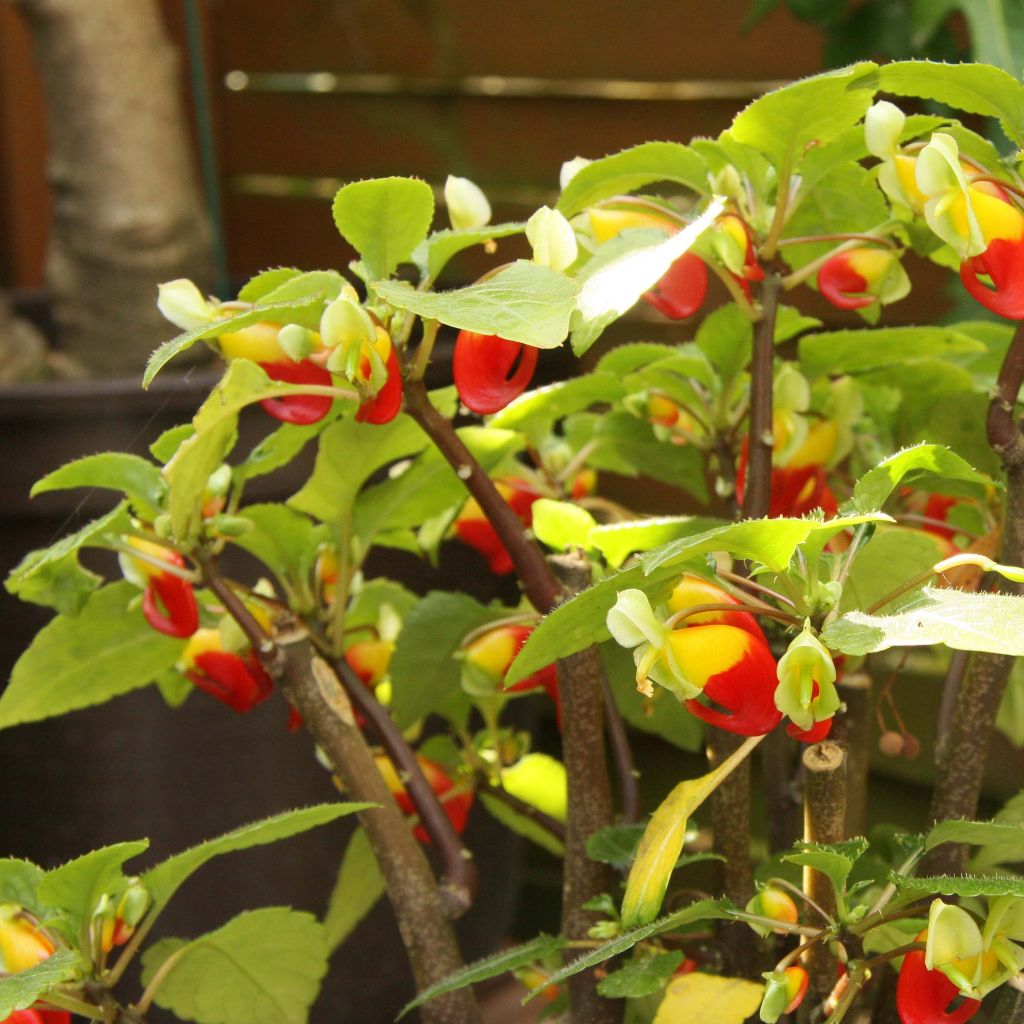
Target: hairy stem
x,y
824,822
580,678
961,765
757,492
730,824
312,686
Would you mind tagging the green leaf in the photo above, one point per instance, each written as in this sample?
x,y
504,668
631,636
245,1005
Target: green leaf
x,y
325,285
285,541
262,967
429,486
348,455
923,384
76,887
996,29
617,541
525,303
19,991
977,833
781,123
305,311
19,883
975,88
726,337
164,447
703,910
641,977
54,577
908,467
521,825
198,456
835,860
358,888
836,352
892,554
610,286
961,620
433,254
960,885
106,650
615,844
580,622
534,412
561,524
384,219
137,478
630,170
489,967
165,879
265,282
424,673
663,840
278,449
701,996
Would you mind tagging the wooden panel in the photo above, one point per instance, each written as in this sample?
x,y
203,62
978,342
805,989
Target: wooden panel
x,y
24,193
645,39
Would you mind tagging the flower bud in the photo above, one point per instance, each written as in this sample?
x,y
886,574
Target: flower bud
x,y
552,239
22,943
807,676
297,342
783,992
571,168
883,126
540,781
776,904
468,207
184,304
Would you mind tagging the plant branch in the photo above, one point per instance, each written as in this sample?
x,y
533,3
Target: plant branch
x,y
459,883
622,756
824,822
960,767
757,492
542,588
590,802
552,826
313,687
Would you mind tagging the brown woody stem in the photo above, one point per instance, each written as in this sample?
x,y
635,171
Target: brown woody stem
x,y
580,679
853,731
757,492
961,764
538,580
824,822
458,887
622,756
313,688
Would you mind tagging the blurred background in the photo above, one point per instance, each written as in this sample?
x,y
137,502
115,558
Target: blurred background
x,y
143,140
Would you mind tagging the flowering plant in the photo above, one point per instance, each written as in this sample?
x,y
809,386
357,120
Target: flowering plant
x,y
829,512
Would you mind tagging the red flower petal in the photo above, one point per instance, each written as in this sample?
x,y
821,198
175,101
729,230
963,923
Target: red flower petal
x,y
300,409
923,996
682,290
38,1017
385,405
239,682
815,734
744,693
1003,262
178,601
479,534
842,285
490,371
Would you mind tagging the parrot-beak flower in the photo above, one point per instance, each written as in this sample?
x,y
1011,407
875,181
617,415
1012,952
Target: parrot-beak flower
x,y
490,371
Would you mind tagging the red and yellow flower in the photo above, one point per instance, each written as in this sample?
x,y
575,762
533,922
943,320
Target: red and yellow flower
x,y
490,372
168,601
236,679
725,674
862,277
473,528
456,806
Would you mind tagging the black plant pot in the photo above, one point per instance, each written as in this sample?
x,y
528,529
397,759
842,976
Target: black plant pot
x,y
133,768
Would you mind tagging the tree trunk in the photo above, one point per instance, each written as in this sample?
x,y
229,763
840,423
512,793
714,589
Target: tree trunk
x,y
127,212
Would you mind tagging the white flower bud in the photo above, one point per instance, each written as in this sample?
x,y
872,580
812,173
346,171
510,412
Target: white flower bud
x,y
552,238
184,304
467,205
883,126
571,168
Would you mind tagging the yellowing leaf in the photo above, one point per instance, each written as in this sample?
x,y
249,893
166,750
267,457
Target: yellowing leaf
x,y
709,997
663,840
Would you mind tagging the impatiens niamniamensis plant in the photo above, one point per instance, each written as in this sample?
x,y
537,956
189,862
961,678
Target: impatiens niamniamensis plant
x,y
844,496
